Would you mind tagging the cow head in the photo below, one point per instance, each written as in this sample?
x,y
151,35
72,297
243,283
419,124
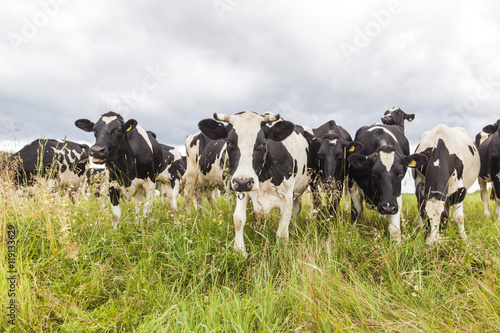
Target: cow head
x,y
330,153
386,168
109,132
396,116
247,135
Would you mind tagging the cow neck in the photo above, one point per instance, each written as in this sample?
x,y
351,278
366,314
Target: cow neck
x,y
120,165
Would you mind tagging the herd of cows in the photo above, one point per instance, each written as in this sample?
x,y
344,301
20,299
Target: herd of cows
x,y
271,161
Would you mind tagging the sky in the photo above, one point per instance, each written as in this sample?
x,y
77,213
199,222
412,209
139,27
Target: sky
x,y
169,64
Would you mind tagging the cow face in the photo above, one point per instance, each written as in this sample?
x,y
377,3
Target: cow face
x,y
396,116
247,136
385,169
331,155
109,132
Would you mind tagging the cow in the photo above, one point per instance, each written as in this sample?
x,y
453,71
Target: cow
x,y
376,172
396,116
488,144
329,170
268,164
61,161
132,157
169,176
206,161
452,167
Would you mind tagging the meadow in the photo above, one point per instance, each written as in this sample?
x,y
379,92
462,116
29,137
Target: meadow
x,y
177,271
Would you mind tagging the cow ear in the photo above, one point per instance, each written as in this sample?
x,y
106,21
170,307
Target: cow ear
x,y
353,147
490,129
313,141
457,196
279,131
213,129
360,161
84,124
130,125
409,117
415,160
153,134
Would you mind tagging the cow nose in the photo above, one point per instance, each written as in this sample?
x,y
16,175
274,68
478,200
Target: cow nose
x,y
97,151
243,184
387,209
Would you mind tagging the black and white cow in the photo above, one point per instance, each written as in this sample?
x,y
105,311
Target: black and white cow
x,y
61,161
396,116
488,143
452,167
376,172
132,157
267,164
206,160
329,159
173,167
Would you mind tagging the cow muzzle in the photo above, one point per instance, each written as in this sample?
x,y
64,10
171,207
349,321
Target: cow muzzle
x,y
243,184
99,154
387,209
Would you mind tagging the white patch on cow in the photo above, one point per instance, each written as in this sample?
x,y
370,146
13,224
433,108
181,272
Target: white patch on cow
x,y
333,142
385,130
145,136
387,159
108,119
394,109
436,163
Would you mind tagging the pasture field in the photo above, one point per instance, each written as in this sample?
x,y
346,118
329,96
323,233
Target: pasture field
x,y
177,271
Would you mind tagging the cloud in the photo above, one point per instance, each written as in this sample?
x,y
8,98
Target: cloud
x,y
428,58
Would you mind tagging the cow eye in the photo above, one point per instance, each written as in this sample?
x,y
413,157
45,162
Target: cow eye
x,y
118,130
321,155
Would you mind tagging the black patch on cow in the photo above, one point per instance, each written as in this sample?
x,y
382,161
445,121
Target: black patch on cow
x,y
472,150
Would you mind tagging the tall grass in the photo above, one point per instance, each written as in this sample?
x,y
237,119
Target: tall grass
x,y
177,271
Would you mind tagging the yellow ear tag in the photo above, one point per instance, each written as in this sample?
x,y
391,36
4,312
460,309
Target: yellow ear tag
x,y
129,128
412,164
411,119
352,149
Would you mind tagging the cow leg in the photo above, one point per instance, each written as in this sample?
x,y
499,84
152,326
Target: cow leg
x,y
347,195
172,194
149,190
297,205
117,212
286,215
395,222
357,197
458,216
484,195
239,218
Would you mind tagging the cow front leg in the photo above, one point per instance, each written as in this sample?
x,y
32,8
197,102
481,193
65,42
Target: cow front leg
x,y
458,216
115,203
357,197
395,222
150,191
239,219
173,193
286,215
484,195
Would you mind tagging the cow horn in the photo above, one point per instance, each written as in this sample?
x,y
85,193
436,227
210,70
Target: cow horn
x,y
269,117
221,117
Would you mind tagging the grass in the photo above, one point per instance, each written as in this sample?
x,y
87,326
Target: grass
x,y
177,271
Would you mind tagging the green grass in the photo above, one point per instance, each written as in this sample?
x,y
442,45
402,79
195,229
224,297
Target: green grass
x,y
177,271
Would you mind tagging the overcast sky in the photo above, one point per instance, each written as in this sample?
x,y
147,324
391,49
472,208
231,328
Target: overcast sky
x,y
169,64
